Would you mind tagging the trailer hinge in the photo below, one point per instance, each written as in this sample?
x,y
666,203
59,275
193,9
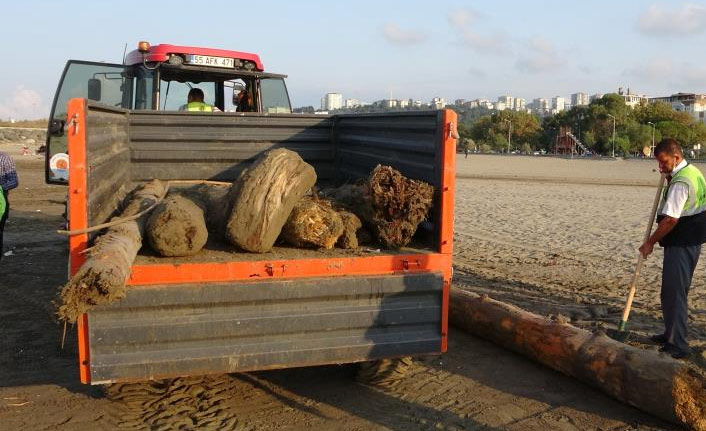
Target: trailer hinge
x,y
453,131
73,122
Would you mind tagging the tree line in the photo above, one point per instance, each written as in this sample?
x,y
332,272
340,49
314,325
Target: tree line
x,y
484,130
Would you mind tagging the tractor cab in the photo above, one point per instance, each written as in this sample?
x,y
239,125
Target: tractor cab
x,y
159,78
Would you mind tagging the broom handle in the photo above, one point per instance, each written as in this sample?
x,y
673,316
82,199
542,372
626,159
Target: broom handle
x,y
640,259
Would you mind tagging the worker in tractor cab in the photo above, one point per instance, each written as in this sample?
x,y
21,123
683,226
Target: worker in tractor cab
x,y
245,100
195,103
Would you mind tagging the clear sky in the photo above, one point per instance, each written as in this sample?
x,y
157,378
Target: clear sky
x,y
370,49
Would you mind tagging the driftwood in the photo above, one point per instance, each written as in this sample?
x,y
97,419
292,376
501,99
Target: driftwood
x,y
391,205
351,225
655,383
177,226
263,198
313,222
101,279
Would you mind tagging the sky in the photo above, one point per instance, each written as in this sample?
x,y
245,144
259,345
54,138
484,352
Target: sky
x,y
372,50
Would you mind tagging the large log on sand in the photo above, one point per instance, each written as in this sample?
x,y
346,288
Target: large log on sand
x,y
263,198
101,279
177,226
390,204
655,383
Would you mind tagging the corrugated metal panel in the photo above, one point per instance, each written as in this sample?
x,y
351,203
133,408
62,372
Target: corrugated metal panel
x,y
219,146
108,160
172,330
408,141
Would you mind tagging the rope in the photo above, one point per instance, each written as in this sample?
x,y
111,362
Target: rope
x,y
143,212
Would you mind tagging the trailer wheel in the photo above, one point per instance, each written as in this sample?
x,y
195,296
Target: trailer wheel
x,y
384,372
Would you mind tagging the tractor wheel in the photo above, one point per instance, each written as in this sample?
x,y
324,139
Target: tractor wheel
x,y
384,372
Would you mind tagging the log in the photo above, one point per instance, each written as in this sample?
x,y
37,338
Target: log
x,y
264,196
101,279
313,222
655,383
391,205
351,225
177,226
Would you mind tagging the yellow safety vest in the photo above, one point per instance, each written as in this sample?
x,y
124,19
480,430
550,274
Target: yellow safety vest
x,y
199,107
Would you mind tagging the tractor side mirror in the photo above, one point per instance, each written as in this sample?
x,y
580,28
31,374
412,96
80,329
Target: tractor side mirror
x,y
56,127
94,89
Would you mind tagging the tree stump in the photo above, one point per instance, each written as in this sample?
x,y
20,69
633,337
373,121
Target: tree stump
x,y
391,205
655,383
313,222
177,227
264,196
101,279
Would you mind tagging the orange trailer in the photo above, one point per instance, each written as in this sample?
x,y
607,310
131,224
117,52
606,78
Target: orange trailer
x,y
223,311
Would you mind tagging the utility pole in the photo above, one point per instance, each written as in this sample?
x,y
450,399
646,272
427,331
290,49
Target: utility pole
x,y
509,130
613,134
652,151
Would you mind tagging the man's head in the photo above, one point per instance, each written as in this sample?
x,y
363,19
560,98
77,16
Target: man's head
x,y
668,154
195,95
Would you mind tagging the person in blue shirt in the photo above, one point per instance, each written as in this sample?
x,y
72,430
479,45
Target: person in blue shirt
x,y
8,181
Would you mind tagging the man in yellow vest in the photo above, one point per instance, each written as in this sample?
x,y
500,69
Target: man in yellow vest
x,y
195,103
681,229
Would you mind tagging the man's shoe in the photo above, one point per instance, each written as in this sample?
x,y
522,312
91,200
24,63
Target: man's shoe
x,y
659,338
680,354
674,352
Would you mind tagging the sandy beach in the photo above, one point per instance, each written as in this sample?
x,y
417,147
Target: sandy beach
x,y
546,234
557,235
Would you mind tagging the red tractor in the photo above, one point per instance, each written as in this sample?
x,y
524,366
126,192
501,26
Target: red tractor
x,y
159,78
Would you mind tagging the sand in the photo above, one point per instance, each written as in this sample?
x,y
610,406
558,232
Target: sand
x,y
475,386
564,239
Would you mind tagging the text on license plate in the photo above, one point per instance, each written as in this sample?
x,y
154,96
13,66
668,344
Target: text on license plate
x,y
207,60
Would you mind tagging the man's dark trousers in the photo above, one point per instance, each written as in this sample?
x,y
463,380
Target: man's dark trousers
x,y
4,219
678,267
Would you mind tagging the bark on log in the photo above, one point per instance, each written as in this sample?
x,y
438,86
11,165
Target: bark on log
x,y
177,226
390,204
655,383
263,198
101,279
313,222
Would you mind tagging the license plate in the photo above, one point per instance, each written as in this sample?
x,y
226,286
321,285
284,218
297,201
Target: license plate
x,y
207,60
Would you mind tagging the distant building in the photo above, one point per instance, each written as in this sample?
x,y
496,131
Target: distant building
x,y
595,96
519,104
694,104
403,103
459,102
389,103
580,99
632,100
508,101
499,106
331,101
540,106
352,103
438,103
417,103
478,103
558,103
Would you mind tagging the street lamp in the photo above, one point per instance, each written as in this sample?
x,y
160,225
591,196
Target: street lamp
x,y
613,134
652,152
509,130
